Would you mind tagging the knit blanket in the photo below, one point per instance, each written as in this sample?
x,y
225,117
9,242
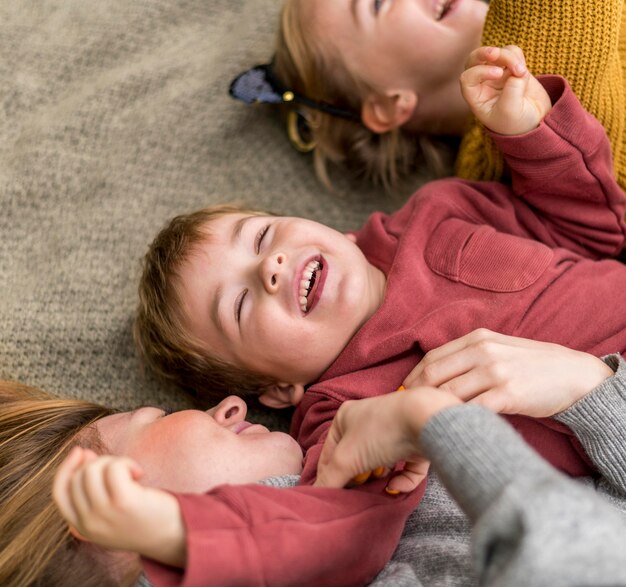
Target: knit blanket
x,y
115,117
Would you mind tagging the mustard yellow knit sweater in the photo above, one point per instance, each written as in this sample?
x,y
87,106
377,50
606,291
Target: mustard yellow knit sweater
x,y
583,40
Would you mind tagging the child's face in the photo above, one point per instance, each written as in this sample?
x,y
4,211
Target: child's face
x,y
279,296
401,44
192,451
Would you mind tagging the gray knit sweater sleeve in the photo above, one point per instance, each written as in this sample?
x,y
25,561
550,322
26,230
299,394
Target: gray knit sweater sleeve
x,y
599,421
532,525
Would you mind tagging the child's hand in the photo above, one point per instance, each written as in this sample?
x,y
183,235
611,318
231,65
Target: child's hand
x,y
501,92
102,501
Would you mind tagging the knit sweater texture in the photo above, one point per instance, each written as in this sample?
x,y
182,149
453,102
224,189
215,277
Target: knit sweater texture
x,y
578,39
500,483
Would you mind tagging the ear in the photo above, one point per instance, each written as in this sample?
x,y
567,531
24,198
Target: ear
x,y
384,112
282,395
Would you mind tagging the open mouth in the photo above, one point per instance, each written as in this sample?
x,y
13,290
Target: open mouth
x,y
311,284
443,7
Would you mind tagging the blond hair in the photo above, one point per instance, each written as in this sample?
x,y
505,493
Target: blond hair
x,y
161,334
304,65
36,433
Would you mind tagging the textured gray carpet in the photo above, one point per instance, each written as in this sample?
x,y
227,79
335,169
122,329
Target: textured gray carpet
x,y
115,117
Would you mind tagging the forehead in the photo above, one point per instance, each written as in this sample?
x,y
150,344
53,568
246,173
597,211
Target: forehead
x,y
223,229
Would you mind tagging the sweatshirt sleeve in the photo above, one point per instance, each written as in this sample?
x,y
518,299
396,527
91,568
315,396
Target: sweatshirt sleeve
x,y
251,535
563,171
599,421
532,526
551,34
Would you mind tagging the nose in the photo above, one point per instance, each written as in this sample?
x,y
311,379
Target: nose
x,y
229,411
270,269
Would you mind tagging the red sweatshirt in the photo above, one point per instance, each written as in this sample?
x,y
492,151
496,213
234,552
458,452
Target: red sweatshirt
x,y
458,256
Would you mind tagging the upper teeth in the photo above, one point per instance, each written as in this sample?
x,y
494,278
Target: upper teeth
x,y
440,8
305,282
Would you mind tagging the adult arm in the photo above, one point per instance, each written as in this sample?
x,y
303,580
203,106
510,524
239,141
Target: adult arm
x,y
532,525
514,375
598,420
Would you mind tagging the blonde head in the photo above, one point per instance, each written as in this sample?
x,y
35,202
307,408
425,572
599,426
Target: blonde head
x,y
36,432
307,66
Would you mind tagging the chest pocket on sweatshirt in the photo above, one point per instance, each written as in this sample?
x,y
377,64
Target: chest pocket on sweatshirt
x,y
481,257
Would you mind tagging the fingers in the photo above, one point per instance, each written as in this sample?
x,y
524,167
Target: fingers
x,y
475,77
361,478
481,348
381,472
493,400
449,360
510,57
61,484
90,489
454,346
376,473
491,68
405,481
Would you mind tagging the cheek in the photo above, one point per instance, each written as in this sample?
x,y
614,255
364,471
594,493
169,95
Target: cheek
x,y
171,455
165,465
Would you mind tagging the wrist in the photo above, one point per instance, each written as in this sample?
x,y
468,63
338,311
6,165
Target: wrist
x,y
422,404
171,546
596,371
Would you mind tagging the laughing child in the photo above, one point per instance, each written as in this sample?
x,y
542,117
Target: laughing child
x,y
240,301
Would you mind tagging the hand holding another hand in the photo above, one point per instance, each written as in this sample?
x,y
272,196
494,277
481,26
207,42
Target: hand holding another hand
x,y
380,432
510,375
503,373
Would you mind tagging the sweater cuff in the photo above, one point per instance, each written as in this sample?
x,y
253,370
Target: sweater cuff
x,y
477,454
599,422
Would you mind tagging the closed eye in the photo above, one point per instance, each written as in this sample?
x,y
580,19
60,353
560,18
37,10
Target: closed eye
x,y
259,238
239,304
